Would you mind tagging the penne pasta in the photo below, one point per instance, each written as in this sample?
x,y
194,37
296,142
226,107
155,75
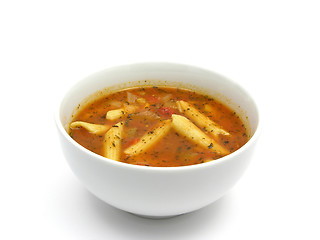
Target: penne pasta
x,y
115,114
92,128
119,113
200,119
113,137
149,139
187,129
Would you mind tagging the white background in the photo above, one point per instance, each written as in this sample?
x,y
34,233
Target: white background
x,y
270,47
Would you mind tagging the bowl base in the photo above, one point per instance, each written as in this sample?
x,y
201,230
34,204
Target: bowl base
x,y
155,217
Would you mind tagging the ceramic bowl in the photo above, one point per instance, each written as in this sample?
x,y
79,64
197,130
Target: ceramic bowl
x,y
158,191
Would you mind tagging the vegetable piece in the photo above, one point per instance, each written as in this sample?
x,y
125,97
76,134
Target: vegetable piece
x,y
114,103
131,97
166,111
171,103
113,139
187,129
131,132
149,139
141,101
148,115
166,97
200,119
133,141
92,128
121,112
152,98
208,108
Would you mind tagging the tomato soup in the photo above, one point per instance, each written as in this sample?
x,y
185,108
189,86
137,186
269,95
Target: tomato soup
x,y
158,126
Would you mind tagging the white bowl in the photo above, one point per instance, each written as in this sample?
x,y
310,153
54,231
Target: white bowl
x,y
158,191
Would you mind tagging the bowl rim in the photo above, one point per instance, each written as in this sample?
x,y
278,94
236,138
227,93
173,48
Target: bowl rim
x,y
98,157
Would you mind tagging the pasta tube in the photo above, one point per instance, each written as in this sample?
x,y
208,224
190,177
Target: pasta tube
x,y
113,139
92,128
119,113
187,129
200,119
149,139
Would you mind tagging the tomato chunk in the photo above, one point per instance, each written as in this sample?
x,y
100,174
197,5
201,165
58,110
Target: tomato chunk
x,y
153,98
133,141
166,111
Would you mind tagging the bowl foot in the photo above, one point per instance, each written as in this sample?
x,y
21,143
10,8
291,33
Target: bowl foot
x,y
156,217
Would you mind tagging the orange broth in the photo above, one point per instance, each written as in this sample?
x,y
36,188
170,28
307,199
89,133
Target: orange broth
x,y
156,104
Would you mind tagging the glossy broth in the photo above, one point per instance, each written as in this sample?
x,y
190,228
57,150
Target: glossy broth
x,y
152,106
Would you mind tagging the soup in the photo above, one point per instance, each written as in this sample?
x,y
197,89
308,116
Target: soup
x,y
158,126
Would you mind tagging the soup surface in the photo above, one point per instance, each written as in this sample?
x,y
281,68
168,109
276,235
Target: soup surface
x,y
158,126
